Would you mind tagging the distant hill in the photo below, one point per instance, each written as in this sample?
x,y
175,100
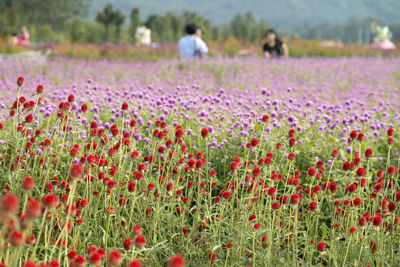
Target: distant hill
x,y
283,13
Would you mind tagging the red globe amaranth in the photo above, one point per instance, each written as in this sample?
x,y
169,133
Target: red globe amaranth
x,y
254,142
265,118
71,98
27,183
50,201
362,221
75,171
321,246
211,257
368,153
140,241
292,141
124,106
176,261
20,81
39,89
135,263
204,132
10,203
313,206
115,258
377,220
16,238
33,209
29,118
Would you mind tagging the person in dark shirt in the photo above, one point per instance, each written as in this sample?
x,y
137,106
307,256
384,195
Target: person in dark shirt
x,y
274,47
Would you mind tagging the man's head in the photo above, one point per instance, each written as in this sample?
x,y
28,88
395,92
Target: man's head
x,y
199,32
191,29
271,35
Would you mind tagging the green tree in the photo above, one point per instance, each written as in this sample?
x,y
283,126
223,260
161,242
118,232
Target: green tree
x,y
106,17
135,23
118,21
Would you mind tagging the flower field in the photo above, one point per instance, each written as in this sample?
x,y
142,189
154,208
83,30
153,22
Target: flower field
x,y
217,162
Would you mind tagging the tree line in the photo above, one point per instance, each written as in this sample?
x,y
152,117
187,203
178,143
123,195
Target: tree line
x,y
66,20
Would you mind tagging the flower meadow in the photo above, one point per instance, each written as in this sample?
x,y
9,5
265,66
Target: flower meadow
x,y
216,162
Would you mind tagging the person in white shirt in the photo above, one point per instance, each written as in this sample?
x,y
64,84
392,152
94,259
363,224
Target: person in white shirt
x,y
191,45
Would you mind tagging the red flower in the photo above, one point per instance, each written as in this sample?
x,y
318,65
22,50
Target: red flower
x,y
140,241
176,261
20,81
75,171
256,171
373,247
204,132
211,257
252,217
312,206
264,241
294,199
84,107
50,201
361,172
390,132
391,171
10,203
33,209
390,141
16,238
28,183
254,142
352,230
275,205
226,194
79,261
179,210
392,206
29,263
368,153
311,171
39,89
124,106
28,118
115,257
178,133
135,263
137,229
265,118
353,134
377,221
229,245
71,98
333,187
292,141
362,221
94,258
321,246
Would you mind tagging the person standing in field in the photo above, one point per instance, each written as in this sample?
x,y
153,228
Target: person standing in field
x,y
191,45
274,47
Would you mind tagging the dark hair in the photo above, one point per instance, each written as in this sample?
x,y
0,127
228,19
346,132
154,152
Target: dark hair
x,y
191,29
269,31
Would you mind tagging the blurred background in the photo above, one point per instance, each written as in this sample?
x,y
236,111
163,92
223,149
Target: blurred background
x,y
150,29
